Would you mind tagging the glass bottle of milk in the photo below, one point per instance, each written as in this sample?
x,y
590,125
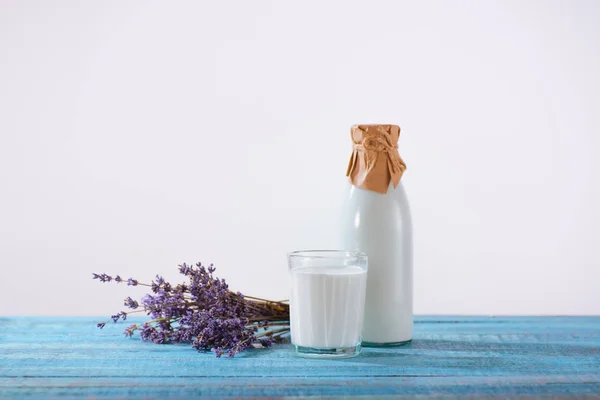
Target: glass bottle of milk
x,y
376,220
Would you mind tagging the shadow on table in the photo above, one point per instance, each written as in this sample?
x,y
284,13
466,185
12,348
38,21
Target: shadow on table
x,y
465,354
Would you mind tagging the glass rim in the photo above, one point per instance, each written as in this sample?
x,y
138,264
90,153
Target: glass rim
x,y
345,254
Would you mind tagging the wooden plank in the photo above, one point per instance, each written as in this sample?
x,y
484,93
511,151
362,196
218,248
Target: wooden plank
x,y
381,386
70,357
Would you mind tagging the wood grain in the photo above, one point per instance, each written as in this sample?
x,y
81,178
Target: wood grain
x,y
465,356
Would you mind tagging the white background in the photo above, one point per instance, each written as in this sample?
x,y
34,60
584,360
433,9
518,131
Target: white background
x,y
138,135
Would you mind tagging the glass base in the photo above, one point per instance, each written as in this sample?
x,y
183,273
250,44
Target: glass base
x,y
338,352
389,344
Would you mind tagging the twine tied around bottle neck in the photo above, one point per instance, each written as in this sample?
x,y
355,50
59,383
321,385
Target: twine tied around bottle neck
x,y
375,161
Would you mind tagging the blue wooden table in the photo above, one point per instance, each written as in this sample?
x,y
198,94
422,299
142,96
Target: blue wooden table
x,y
516,356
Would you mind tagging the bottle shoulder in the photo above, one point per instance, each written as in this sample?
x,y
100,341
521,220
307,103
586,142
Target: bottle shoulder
x,y
381,209
394,196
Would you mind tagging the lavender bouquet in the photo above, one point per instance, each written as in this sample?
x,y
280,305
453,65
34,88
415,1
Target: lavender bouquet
x,y
204,312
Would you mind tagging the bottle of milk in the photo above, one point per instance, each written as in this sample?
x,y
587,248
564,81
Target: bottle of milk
x,y
376,220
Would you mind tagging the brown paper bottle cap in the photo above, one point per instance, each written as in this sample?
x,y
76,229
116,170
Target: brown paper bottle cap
x,y
375,161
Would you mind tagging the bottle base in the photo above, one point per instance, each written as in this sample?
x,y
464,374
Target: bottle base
x,y
386,344
336,352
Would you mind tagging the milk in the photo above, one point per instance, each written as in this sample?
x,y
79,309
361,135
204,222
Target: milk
x,y
380,225
327,306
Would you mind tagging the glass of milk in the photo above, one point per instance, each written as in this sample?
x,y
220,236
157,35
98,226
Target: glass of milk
x,y
327,302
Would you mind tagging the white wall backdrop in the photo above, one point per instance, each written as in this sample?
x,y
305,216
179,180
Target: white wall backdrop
x,y
138,135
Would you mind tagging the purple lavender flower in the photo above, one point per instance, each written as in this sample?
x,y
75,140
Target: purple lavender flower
x,y
218,351
130,330
205,313
147,331
132,282
102,277
184,269
129,302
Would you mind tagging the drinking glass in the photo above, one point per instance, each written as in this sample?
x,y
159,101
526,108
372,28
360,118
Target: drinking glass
x,y
327,302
